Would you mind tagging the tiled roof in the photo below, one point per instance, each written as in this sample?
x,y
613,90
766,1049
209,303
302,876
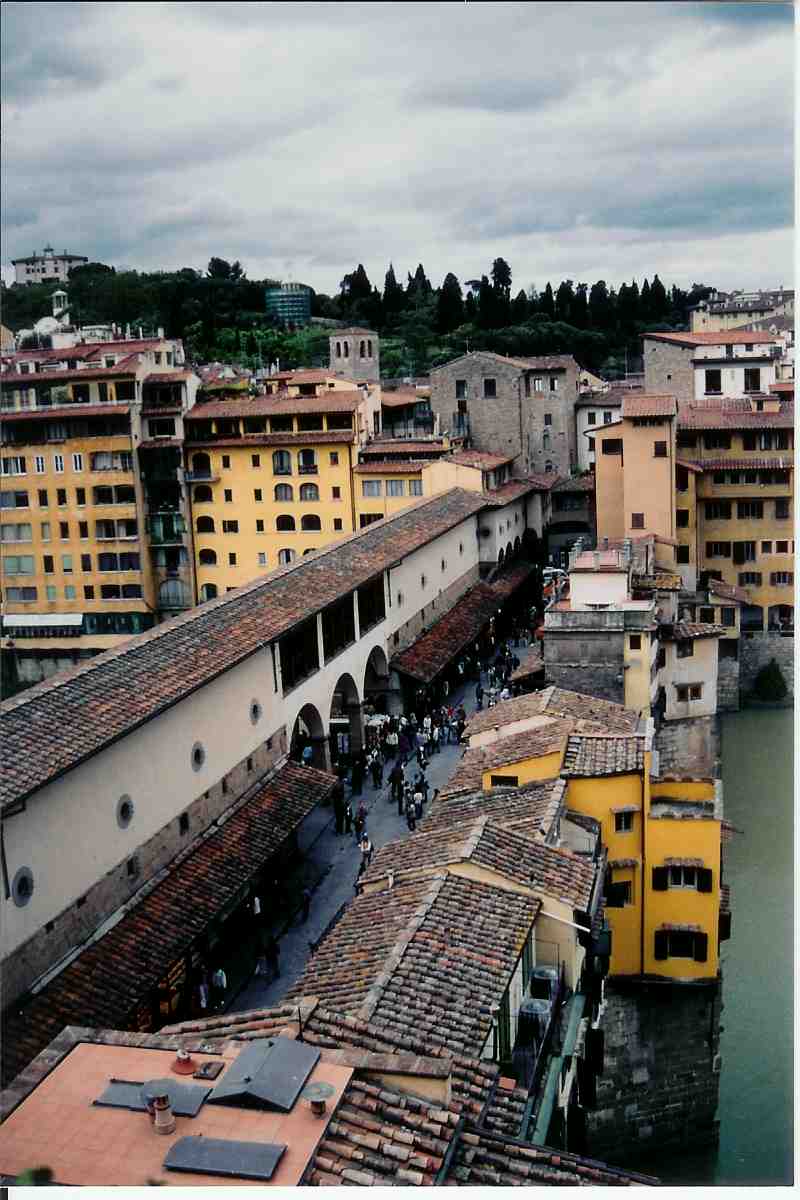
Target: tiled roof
x,y
126,367
778,463
434,649
479,458
168,376
55,725
90,350
318,438
546,362
382,1136
382,448
511,578
578,483
410,467
533,743
694,467
71,410
721,337
593,754
429,956
692,416
306,375
280,405
532,809
642,404
483,1160
104,984
687,631
727,591
599,560
783,387
401,397
513,489
160,443
556,872
556,702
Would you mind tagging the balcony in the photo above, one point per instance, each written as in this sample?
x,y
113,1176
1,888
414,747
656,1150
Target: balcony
x,y
312,469
201,476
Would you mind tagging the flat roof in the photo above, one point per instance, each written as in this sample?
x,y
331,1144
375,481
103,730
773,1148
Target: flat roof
x,y
55,725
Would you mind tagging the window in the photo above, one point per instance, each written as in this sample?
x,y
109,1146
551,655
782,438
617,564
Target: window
x,y
553,384
782,512
612,446
207,558
69,591
415,487
659,449
334,458
284,492
43,498
713,382
44,531
282,462
591,418
744,552
635,641
63,530
548,418
255,459
14,499
728,617
682,518
208,592
21,595
336,493
752,379
309,491
58,464
748,441
750,510
781,579
310,524
86,563
490,388
61,497
766,547
19,564
619,893
718,510
259,526
307,462
623,822
695,691
49,564
538,383
258,495
232,560
337,523
503,781
637,520
51,593
370,487
781,547
679,944
717,441
14,466
395,487
228,496
682,693
684,649
607,418
16,533
461,389
226,461
262,558
285,557
66,563
88,592
749,579
230,526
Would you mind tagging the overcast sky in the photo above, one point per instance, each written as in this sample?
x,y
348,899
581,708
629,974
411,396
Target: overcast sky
x,y
576,140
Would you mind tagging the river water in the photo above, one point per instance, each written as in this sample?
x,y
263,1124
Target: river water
x,y
756,1085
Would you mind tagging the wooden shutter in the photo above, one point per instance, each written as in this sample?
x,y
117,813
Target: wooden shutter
x,y
704,879
700,947
660,881
724,926
660,947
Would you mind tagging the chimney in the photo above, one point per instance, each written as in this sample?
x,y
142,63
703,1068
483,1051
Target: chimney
x,y
164,1120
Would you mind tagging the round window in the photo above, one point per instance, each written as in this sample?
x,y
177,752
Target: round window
x,y
198,756
255,712
124,811
22,886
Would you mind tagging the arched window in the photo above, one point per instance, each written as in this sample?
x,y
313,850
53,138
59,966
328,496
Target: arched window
x,y
346,349
310,523
205,524
285,524
310,550
362,350
369,347
282,462
309,491
307,462
338,349
286,556
203,494
201,464
208,591
546,440
284,491
208,558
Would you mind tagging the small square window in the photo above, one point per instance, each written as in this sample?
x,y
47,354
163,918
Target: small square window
x,y
336,493
256,460
682,518
623,822
259,526
659,449
88,592
83,530
548,417
258,495
61,497
232,559
228,496
334,460
262,558
684,649
637,520
695,691
226,461
337,522
490,388
635,641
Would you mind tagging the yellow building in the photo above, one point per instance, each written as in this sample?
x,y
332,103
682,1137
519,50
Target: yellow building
x,y
78,574
381,489
635,469
271,479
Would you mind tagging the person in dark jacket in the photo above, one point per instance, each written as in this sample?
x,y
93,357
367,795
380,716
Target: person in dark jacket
x,y
357,777
348,818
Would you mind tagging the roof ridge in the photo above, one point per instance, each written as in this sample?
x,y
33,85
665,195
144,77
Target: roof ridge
x,y
395,956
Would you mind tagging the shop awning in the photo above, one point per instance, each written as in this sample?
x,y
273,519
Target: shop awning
x,y
428,656
106,982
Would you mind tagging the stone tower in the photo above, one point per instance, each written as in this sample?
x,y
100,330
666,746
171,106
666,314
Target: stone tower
x,y
355,354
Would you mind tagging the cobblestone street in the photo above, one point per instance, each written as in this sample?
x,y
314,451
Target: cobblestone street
x,y
331,867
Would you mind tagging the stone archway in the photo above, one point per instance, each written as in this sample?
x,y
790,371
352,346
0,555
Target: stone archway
x,y
780,618
376,680
309,730
346,723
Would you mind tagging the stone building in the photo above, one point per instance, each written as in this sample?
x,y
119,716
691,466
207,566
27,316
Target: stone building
x,y
355,355
694,366
520,407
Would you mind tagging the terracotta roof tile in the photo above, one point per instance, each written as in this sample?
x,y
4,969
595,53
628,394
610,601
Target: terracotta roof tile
x,y
319,438
642,404
593,754
556,702
577,483
72,410
720,337
279,405
55,725
104,984
437,646
727,591
126,367
778,463
406,446
532,809
401,397
695,416
510,578
533,743
687,631
479,458
483,1160
513,489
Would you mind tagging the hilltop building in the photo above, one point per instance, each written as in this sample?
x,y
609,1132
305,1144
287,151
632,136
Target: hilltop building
x,y
698,366
735,310
289,303
355,355
47,267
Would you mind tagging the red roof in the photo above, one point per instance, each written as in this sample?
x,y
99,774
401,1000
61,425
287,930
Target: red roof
x,y
169,376
479,458
642,404
436,647
721,337
316,438
513,489
694,416
280,405
403,467
785,386
126,367
106,982
89,350
405,446
74,410
401,397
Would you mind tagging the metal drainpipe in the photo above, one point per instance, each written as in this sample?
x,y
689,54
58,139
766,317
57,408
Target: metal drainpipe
x,y
3,863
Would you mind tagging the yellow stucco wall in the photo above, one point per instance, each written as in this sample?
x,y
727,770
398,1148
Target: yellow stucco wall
x,y
649,482
528,770
609,486
683,839
637,672
384,504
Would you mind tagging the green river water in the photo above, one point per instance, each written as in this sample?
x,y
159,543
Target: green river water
x,y
756,1085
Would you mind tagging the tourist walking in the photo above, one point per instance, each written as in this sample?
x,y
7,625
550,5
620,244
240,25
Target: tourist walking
x,y
348,818
219,986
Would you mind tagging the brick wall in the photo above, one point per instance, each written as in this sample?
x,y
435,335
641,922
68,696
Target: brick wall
x,y
668,368
660,1082
755,652
78,922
